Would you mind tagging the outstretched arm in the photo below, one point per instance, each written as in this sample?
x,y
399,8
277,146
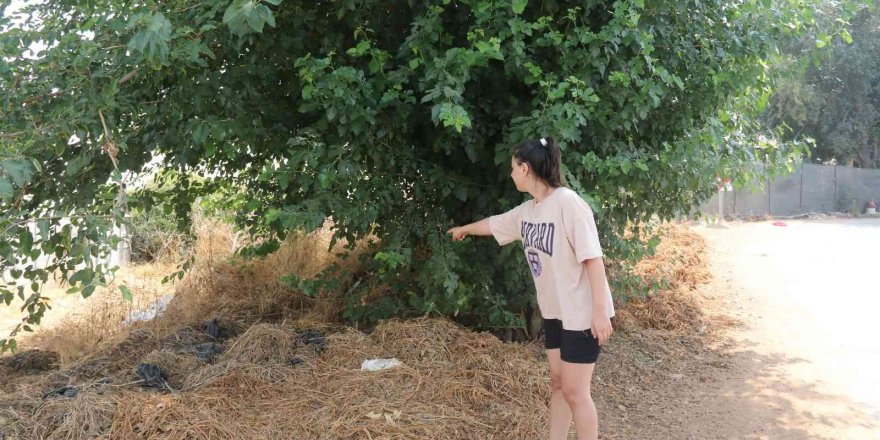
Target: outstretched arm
x,y
478,228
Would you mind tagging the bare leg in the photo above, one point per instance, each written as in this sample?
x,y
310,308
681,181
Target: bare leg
x,y
576,380
560,413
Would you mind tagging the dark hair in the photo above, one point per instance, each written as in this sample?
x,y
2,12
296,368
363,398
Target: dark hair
x,y
544,160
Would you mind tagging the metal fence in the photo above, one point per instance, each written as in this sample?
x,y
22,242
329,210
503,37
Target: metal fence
x,y
811,188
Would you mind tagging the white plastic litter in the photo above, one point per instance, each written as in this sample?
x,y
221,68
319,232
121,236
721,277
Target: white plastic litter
x,y
380,364
153,310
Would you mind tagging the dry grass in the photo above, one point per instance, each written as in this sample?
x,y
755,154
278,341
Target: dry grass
x,y
218,286
15,412
176,366
262,344
87,324
86,416
469,385
454,383
680,260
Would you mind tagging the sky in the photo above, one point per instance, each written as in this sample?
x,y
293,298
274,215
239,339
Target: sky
x,y
12,9
15,6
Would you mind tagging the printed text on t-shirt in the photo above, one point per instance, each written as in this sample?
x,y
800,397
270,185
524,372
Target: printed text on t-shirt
x,y
538,236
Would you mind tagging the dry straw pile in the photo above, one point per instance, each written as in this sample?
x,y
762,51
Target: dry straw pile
x,y
270,383
244,357
680,261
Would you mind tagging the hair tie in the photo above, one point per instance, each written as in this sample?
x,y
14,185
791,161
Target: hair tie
x,y
544,142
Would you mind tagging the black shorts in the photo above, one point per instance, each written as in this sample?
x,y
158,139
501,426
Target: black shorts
x,y
576,346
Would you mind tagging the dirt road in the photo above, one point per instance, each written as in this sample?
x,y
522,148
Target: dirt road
x,y
806,358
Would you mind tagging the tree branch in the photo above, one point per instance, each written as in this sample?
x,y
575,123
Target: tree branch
x,y
128,76
37,98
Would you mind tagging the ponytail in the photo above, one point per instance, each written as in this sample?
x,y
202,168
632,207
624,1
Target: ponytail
x,y
544,158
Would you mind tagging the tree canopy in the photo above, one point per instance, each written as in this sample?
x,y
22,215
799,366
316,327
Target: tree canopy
x,y
836,102
394,118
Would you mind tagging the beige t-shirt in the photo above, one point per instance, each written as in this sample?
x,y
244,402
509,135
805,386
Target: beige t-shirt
x,y
558,235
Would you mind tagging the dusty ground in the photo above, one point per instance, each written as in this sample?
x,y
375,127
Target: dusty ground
x,y
800,363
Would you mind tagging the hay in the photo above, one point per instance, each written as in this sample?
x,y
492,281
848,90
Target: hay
x,y
421,342
87,415
268,383
262,344
671,310
453,384
447,399
265,351
480,388
176,366
31,361
15,412
251,290
214,374
399,403
115,360
349,348
679,260
228,292
183,416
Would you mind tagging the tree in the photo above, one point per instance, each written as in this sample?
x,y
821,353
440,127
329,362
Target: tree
x,y
836,102
395,118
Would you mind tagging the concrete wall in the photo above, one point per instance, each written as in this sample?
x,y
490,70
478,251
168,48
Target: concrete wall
x,y
818,193
810,188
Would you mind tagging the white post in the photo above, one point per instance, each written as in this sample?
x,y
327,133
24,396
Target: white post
x,y
124,246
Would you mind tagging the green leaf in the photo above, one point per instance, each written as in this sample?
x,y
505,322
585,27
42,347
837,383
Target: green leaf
x,y
257,19
6,190
235,16
88,291
80,276
76,164
25,240
43,226
126,294
153,40
10,344
200,133
461,193
519,6
454,115
20,170
37,165
247,16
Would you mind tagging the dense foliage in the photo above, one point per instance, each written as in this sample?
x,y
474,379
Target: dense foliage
x,y
394,118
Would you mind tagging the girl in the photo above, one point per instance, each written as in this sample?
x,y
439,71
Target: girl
x,y
561,243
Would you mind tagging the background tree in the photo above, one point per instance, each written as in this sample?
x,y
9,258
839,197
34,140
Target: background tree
x,y
394,118
836,102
